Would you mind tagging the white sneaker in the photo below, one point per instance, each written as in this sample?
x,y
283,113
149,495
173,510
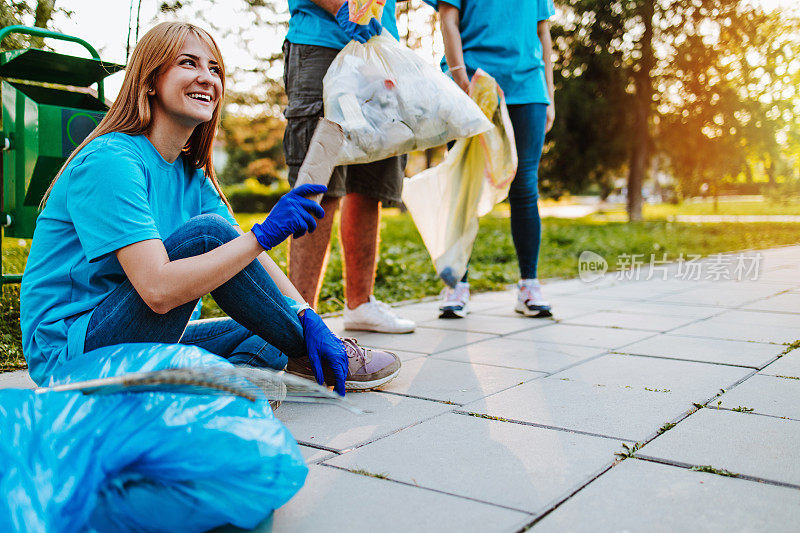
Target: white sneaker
x,y
455,302
530,301
376,316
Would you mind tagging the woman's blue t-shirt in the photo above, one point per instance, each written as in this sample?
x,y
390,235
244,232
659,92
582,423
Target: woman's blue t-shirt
x,y
500,37
310,24
116,191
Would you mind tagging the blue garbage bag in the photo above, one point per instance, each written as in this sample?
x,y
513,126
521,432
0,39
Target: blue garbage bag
x,y
152,461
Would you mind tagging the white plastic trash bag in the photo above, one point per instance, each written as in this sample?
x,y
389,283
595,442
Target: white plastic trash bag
x,y
389,101
446,200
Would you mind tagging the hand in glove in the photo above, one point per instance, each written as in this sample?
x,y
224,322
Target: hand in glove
x,y
355,31
322,345
292,215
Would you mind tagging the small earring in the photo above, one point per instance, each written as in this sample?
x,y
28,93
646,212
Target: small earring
x,y
151,91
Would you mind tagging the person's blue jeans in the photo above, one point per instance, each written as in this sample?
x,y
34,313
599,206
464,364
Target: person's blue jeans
x,y
529,121
262,329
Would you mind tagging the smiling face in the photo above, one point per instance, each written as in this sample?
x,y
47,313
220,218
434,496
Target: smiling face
x,y
188,89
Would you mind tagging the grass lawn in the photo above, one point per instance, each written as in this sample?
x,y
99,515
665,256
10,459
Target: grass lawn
x,y
405,270
705,207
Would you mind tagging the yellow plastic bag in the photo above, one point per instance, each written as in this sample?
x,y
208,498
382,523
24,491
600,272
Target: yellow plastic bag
x,y
389,101
362,11
445,201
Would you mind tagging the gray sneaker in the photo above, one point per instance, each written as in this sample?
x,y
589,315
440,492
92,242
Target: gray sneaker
x,y
368,368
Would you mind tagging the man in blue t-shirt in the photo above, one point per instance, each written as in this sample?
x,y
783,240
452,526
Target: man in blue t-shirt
x,y
318,30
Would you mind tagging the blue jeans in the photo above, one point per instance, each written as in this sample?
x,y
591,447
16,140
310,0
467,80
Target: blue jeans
x,y
262,331
529,121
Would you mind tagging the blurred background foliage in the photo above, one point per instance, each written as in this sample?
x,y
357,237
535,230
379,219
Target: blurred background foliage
x,y
679,97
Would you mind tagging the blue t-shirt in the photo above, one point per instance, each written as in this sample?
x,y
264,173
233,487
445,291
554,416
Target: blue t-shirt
x,y
310,24
499,36
118,190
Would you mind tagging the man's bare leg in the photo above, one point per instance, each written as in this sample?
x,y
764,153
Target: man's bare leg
x,y
308,255
359,229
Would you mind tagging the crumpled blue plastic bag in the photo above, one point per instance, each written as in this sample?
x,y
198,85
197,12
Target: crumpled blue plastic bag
x,y
141,461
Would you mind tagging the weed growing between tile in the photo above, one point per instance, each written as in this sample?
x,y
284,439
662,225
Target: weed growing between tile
x,y
711,470
362,472
628,451
489,417
789,347
666,427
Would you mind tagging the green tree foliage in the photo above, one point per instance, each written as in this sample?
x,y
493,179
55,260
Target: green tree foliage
x,y
730,107
707,83
38,14
254,146
588,143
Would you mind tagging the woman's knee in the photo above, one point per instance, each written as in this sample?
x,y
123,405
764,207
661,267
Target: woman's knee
x,y
214,226
524,190
199,235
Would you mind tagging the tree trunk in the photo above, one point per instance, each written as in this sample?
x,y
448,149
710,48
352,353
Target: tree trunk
x,y
44,12
642,107
770,169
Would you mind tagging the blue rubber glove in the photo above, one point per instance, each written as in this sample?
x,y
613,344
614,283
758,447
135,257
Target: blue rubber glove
x,y
292,215
324,345
355,31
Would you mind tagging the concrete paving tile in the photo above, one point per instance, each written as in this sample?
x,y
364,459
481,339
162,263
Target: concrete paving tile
x,y
760,446
710,296
336,323
722,294
562,307
631,413
767,395
519,466
495,297
722,328
781,273
424,340
18,379
671,309
314,455
576,286
785,303
788,320
582,335
692,382
480,323
752,354
478,302
456,382
624,320
520,354
645,496
335,500
641,290
335,428
419,314
405,356
788,365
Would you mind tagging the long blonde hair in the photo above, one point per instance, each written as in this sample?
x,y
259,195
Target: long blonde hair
x,y
131,113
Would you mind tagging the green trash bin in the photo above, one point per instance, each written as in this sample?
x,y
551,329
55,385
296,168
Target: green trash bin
x,y
42,125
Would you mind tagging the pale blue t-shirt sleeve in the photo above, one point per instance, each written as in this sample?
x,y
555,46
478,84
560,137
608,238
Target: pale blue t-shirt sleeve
x,y
546,9
435,3
108,203
210,201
